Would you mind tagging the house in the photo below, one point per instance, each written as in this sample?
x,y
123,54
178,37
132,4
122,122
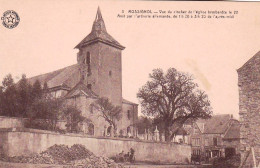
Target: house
x,y
98,73
215,137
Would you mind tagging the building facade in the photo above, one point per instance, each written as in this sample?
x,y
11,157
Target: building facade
x,y
215,137
98,73
249,108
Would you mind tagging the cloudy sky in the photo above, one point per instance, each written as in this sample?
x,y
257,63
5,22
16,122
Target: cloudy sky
x,y
210,49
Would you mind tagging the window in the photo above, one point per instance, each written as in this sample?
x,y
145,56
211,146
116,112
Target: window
x,y
128,130
88,58
91,129
215,141
89,86
196,142
196,130
206,142
128,114
109,130
196,152
89,70
110,73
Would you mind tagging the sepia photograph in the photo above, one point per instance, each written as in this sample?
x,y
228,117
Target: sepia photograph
x,y
129,84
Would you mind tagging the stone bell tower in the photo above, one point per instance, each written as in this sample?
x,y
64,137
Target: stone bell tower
x,y
100,62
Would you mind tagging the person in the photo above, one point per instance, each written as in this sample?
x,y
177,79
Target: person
x,y
132,158
121,156
127,156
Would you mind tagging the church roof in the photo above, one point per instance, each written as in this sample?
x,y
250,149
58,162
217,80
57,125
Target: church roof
x,y
81,89
68,76
99,34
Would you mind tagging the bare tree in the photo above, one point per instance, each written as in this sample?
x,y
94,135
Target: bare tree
x,y
173,98
108,111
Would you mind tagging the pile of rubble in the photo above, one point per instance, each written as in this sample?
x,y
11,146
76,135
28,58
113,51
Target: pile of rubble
x,y
76,156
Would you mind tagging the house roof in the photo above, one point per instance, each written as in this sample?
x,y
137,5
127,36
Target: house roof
x,y
128,102
217,124
81,89
68,76
250,61
181,131
99,34
233,132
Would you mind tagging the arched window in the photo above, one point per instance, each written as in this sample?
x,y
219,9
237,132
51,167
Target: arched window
x,y
91,129
91,108
109,129
88,58
128,130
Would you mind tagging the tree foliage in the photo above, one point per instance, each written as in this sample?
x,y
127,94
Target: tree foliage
x,y
108,111
22,99
73,117
144,123
17,98
44,113
173,98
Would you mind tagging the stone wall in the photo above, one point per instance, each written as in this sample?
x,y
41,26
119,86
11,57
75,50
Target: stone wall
x,y
9,122
249,105
15,142
16,122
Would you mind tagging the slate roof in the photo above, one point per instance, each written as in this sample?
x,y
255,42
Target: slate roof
x,y
233,132
128,102
68,76
250,61
181,131
81,89
99,34
217,124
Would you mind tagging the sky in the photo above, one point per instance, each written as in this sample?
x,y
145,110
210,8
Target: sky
x,y
209,49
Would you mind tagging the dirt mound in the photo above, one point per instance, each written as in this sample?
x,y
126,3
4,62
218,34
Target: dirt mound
x,y
77,156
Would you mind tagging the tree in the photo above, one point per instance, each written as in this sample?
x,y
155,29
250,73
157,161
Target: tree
x,y
108,111
173,98
144,123
37,90
74,117
44,113
45,87
1,100
8,81
23,96
9,102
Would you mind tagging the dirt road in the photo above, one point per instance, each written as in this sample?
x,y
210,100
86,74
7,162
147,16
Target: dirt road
x,y
26,165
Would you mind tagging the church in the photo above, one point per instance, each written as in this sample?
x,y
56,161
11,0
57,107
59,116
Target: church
x,y
98,73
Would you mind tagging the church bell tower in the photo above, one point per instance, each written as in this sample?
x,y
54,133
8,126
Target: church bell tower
x,y
100,63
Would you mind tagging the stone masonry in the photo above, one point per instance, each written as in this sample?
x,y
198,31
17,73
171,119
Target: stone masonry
x,y
249,108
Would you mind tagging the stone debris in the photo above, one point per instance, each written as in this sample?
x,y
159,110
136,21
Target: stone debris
x,y
77,156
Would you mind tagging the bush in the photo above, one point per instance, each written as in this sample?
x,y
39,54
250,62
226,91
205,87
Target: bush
x,y
232,162
42,125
